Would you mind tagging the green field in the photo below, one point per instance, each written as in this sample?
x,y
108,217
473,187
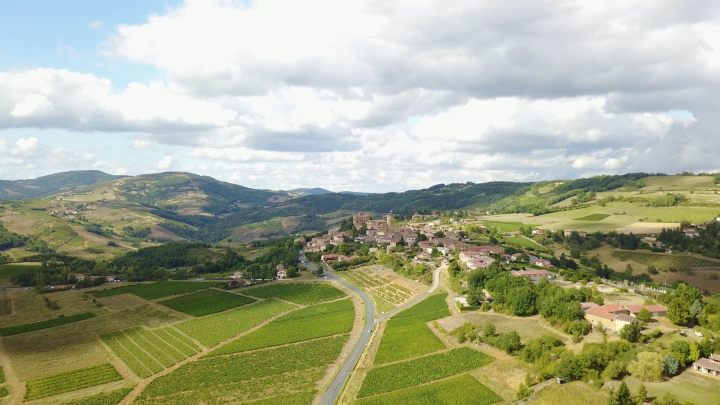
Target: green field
x,y
503,226
299,293
31,327
525,243
406,334
665,261
71,381
460,390
13,269
213,329
147,352
421,370
105,398
593,217
151,291
307,323
206,302
273,375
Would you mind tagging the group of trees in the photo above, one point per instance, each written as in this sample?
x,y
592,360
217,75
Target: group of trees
x,y
706,243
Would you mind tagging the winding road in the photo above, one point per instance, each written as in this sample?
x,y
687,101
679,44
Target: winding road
x,y
333,392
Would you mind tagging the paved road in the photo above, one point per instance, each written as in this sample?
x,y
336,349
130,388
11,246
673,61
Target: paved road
x,y
333,393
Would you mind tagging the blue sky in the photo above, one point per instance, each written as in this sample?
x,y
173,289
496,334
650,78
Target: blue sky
x,y
359,95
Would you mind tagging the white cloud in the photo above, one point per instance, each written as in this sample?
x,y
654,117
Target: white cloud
x,y
165,162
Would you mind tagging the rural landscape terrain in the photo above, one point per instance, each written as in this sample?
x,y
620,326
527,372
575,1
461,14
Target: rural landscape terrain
x,y
174,288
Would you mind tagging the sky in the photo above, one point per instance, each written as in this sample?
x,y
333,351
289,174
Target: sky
x,y
360,95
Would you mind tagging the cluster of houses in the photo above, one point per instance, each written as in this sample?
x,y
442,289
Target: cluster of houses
x,y
615,316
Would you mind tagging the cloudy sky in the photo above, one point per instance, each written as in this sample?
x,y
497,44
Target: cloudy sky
x,y
359,95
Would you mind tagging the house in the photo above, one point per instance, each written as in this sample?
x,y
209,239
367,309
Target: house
x,y
708,366
534,275
328,258
615,316
481,262
423,256
281,272
238,275
541,262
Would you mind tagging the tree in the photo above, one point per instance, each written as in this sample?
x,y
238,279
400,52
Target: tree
x,y
489,330
681,351
509,342
570,367
621,396
644,315
671,366
647,367
521,300
694,352
631,332
667,399
679,312
641,395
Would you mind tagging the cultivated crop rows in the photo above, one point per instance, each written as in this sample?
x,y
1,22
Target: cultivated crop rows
x,y
31,327
71,381
664,261
151,291
147,352
299,293
206,302
462,389
379,286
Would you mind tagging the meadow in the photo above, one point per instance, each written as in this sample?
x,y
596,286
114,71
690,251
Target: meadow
x,y
14,269
307,323
104,398
459,390
299,293
525,243
421,370
71,381
50,323
503,226
580,392
151,291
205,302
213,329
666,261
147,352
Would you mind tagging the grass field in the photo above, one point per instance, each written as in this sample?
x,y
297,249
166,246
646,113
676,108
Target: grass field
x,y
151,291
406,334
147,352
576,392
71,381
687,386
206,302
525,243
307,323
273,375
31,327
13,269
665,261
528,328
503,226
460,390
593,217
105,398
299,293
421,370
213,329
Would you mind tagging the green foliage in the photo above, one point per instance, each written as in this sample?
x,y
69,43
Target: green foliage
x,y
640,396
50,323
459,390
668,200
105,398
421,370
71,381
621,396
631,332
536,348
679,303
206,302
647,367
307,323
299,293
509,342
570,367
213,329
671,366
644,315
151,291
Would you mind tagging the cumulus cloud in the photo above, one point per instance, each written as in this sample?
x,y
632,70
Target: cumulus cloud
x,y
165,162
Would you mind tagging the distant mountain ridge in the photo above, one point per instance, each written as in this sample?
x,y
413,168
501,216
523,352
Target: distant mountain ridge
x,y
51,184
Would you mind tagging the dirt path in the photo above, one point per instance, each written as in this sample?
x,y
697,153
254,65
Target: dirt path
x,y
17,389
140,387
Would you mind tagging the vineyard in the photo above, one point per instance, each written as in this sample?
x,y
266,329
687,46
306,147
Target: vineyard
x,y
71,381
286,374
152,291
460,390
421,370
379,285
307,323
5,305
406,334
50,323
206,302
299,293
148,352
213,329
665,261
105,398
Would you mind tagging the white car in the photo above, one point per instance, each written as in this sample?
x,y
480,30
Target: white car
x,y
698,333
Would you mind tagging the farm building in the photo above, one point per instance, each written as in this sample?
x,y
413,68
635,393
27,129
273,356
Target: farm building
x,y
708,366
611,316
